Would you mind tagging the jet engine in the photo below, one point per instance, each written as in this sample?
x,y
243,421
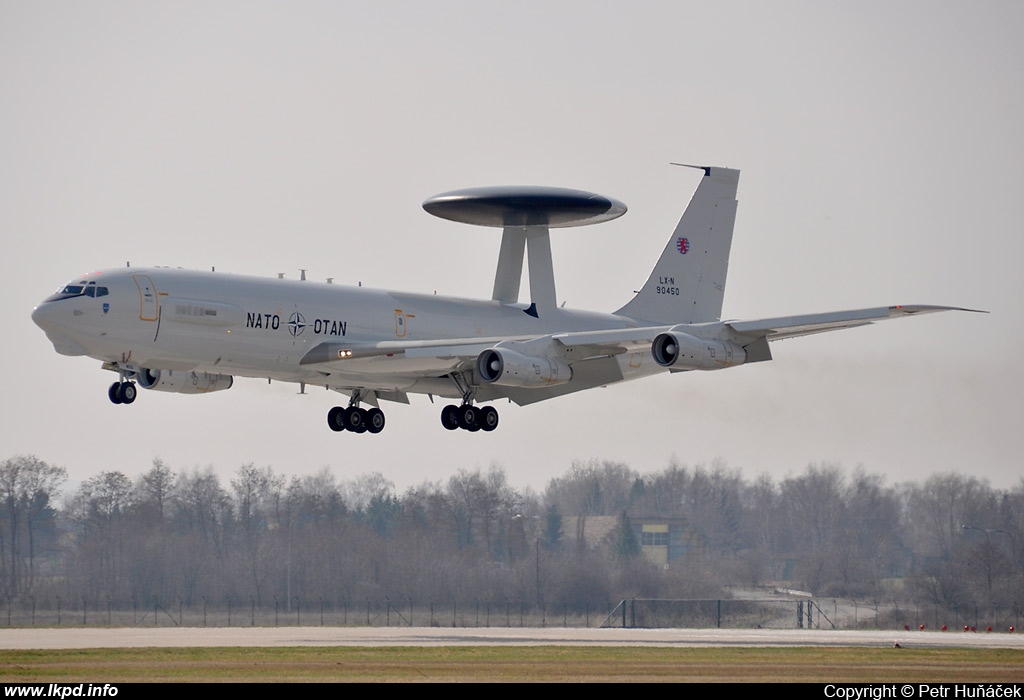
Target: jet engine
x,y
179,382
509,368
683,351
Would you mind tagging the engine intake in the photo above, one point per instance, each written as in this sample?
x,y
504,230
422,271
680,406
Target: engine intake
x,y
183,382
509,368
684,351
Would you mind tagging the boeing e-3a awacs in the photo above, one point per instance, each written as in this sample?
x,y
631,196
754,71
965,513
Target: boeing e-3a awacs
x,y
192,332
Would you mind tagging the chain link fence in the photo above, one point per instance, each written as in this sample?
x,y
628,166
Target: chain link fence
x,y
768,613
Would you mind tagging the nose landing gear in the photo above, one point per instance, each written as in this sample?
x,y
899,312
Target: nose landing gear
x,y
122,392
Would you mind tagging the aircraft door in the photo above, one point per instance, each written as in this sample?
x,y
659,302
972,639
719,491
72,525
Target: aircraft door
x,y
402,323
148,310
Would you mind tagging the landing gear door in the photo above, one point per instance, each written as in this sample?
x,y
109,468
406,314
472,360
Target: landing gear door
x,y
147,298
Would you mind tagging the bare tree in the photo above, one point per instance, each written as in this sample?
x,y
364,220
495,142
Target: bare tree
x,y
27,486
101,507
257,495
154,491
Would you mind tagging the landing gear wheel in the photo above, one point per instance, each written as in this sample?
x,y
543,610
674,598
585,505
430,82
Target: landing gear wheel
x,y
355,419
113,394
375,420
488,418
468,418
127,392
449,417
336,419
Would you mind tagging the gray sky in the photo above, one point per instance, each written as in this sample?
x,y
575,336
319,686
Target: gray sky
x,y
882,158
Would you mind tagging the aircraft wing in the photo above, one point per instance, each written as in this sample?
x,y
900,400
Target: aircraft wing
x,y
793,326
592,354
587,344
605,343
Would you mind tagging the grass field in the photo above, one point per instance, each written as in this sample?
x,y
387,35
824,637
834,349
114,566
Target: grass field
x,y
512,663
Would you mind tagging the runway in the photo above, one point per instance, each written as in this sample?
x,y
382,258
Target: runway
x,y
167,637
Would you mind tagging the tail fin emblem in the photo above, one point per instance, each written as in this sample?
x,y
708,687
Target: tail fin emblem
x,y
683,245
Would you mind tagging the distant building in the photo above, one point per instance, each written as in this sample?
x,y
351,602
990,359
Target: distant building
x,y
662,539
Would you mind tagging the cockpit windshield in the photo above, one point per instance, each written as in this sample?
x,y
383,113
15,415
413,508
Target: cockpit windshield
x,y
78,289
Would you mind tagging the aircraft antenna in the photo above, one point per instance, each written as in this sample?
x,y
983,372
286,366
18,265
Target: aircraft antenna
x,y
302,274
330,280
526,215
280,275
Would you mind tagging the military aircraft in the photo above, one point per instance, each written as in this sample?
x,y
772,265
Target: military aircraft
x,y
191,332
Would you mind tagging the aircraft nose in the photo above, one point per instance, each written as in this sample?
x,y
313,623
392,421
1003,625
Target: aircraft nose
x,y
50,317
42,316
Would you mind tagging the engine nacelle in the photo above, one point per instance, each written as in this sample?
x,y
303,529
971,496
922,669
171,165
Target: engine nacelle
x,y
179,382
684,351
509,368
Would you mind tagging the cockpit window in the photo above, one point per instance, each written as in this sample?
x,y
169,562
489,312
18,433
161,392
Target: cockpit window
x,y
82,288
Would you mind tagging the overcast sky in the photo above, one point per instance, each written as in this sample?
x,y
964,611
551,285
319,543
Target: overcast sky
x,y
882,162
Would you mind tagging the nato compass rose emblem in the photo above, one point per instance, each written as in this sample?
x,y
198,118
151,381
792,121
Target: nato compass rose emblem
x,y
683,245
296,324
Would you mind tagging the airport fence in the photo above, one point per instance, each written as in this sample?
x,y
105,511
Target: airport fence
x,y
771,613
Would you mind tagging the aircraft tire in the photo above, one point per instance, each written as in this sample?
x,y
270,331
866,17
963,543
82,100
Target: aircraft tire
x,y
355,419
468,418
375,420
127,392
336,419
113,393
362,422
449,417
488,418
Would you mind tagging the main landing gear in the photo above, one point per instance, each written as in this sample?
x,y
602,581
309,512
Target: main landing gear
x,y
122,392
371,420
355,419
469,417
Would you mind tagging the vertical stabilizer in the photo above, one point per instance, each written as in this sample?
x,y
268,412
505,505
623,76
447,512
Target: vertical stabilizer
x,y
688,282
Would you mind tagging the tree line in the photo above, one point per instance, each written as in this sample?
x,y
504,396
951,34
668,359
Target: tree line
x,y
187,536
